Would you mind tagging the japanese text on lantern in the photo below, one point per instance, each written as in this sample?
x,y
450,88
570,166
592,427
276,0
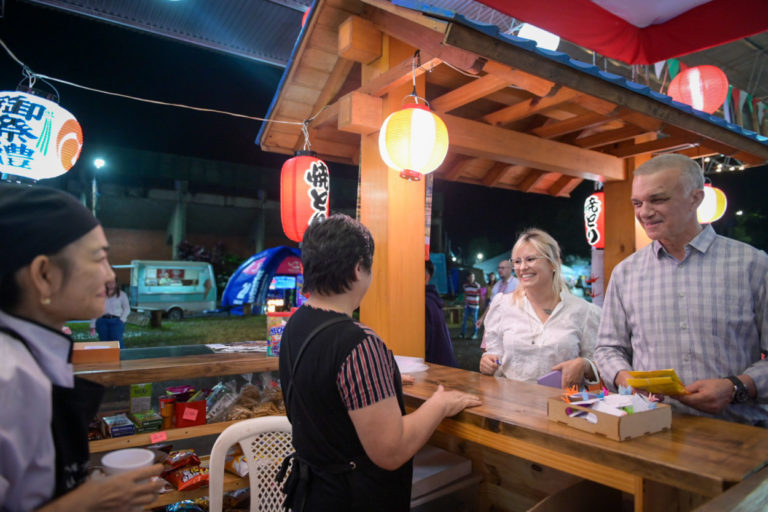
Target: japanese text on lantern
x,y
16,112
593,206
318,180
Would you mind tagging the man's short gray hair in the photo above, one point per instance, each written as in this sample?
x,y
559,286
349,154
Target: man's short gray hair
x,y
689,168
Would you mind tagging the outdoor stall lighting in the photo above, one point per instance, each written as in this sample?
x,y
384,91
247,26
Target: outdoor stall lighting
x,y
594,220
414,141
704,88
304,193
713,206
39,139
544,39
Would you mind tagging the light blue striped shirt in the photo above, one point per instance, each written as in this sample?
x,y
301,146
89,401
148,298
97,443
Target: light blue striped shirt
x,y
704,316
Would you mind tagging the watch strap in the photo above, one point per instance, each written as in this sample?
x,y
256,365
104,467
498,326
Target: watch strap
x,y
740,392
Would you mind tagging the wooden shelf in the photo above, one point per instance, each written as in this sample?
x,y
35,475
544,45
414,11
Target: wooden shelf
x,y
231,483
174,434
160,369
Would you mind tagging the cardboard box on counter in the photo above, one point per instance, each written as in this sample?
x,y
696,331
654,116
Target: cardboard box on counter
x,y
618,428
96,352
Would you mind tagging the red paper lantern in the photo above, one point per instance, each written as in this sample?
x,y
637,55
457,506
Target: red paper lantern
x,y
704,88
594,220
304,193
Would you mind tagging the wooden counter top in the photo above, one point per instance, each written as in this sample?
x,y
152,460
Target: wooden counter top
x,y
170,368
700,455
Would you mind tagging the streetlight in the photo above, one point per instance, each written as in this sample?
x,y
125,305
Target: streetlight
x,y
98,163
479,256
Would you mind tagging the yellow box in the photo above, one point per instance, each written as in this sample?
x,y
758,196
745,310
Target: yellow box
x,y
96,352
618,428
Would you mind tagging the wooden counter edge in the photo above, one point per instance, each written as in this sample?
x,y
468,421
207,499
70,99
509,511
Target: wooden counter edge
x,y
173,368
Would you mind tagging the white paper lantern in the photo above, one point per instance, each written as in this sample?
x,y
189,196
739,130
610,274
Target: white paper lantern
x,y
38,138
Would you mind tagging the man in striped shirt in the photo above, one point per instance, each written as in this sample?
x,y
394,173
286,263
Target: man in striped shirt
x,y
692,300
471,305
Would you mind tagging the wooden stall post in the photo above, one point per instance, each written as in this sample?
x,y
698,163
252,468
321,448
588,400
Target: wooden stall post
x,y
621,238
393,209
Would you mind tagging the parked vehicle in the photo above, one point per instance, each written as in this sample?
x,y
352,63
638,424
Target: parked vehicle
x,y
174,287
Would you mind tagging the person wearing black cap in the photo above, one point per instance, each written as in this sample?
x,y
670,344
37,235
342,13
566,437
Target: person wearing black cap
x,y
53,268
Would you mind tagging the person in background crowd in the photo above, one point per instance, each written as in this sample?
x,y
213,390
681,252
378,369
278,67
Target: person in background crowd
x,y
541,326
354,443
111,325
437,340
56,270
471,306
488,291
505,284
692,300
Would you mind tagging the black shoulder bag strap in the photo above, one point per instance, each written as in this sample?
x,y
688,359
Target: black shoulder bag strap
x,y
312,335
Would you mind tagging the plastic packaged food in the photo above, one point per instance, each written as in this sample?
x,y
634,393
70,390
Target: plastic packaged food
x,y
180,458
188,477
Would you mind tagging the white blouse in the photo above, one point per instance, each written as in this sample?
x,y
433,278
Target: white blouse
x,y
527,348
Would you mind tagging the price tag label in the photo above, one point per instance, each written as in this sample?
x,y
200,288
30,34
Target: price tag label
x,y
190,414
158,437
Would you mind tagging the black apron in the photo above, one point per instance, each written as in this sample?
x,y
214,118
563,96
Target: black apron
x,y
362,484
73,410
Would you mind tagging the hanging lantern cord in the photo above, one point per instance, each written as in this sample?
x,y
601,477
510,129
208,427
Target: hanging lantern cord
x,y
31,77
415,63
305,132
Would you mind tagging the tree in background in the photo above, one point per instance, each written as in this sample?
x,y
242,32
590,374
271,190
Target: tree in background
x,y
224,263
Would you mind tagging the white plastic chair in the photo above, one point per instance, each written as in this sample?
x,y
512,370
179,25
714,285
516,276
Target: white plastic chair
x,y
265,441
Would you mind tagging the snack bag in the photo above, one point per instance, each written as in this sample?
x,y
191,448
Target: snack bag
x,y
178,459
235,462
188,477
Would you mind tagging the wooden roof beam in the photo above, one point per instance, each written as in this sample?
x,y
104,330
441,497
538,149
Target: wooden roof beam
x,y
608,137
456,167
559,185
482,44
520,79
468,93
577,123
530,107
496,173
398,75
428,38
480,140
655,146
531,180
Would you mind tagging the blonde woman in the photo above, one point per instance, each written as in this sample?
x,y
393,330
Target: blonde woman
x,y
541,326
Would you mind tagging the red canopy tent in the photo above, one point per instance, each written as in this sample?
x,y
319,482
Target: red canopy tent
x,y
642,32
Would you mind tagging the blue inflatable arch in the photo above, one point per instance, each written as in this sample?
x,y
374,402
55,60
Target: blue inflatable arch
x,y
250,282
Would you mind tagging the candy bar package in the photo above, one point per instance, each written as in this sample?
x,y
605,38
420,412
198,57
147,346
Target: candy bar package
x,y
147,421
117,426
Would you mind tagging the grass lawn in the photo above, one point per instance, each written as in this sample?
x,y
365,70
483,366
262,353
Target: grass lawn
x,y
190,331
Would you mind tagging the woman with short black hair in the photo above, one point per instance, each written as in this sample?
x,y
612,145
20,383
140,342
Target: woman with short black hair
x,y
354,443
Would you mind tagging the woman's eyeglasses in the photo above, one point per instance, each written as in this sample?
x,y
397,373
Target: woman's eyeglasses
x,y
528,259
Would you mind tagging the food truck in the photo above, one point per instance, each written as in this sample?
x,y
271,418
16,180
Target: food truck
x,y
175,287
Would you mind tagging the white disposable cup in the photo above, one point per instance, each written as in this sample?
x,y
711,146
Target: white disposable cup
x,y
129,459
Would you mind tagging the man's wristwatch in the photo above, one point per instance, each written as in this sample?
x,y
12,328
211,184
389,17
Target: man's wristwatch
x,y
740,391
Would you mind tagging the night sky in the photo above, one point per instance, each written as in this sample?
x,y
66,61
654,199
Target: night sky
x,y
118,59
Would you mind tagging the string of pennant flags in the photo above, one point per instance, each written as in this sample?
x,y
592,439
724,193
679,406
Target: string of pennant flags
x,y
740,107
